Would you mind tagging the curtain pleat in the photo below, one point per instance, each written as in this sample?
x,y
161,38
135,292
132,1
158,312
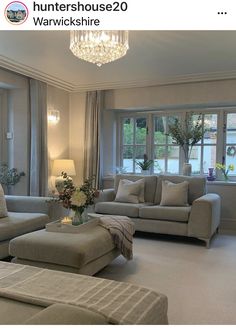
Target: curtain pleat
x,y
94,103
38,183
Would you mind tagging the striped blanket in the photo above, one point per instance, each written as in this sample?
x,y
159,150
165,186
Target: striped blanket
x,y
122,230
120,303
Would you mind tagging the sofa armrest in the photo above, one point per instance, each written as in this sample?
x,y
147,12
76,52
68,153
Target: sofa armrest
x,y
106,195
204,218
32,204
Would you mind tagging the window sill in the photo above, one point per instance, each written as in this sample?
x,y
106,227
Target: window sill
x,y
222,183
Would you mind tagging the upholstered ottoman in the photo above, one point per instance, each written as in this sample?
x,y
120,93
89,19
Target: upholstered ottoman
x,y
84,252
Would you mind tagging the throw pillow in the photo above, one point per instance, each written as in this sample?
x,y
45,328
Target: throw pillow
x,y
174,194
130,192
3,206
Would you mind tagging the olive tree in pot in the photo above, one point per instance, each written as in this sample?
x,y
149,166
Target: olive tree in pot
x,y
187,134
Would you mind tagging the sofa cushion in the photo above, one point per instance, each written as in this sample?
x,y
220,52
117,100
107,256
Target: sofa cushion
x,y
3,206
170,213
114,208
196,189
130,192
16,224
174,194
149,186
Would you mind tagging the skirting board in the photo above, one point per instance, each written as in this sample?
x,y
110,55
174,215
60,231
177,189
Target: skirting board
x,y
228,226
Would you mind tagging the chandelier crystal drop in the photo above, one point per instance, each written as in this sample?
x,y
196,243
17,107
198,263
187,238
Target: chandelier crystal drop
x,y
99,47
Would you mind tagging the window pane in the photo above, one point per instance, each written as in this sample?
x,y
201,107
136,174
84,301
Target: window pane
x,y
159,159
128,131
128,152
195,159
139,154
173,159
209,158
159,166
210,123
231,128
141,130
159,130
197,119
170,121
231,158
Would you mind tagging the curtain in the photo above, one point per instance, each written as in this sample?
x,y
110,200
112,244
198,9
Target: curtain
x,y
92,149
38,178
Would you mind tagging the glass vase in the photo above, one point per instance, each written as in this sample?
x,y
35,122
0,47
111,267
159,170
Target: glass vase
x,y
226,178
77,218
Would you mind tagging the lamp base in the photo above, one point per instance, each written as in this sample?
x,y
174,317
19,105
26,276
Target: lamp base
x,y
60,182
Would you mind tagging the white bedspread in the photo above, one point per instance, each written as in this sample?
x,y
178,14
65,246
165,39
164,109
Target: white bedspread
x,y
119,302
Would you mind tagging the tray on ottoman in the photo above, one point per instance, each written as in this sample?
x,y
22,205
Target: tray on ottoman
x,y
85,252
57,226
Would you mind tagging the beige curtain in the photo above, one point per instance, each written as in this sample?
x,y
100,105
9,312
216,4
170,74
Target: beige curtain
x,y
92,152
38,181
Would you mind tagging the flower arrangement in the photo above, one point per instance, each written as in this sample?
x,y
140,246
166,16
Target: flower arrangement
x,y
188,134
9,176
145,164
78,198
225,170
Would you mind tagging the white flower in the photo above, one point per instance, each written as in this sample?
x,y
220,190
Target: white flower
x,y
78,198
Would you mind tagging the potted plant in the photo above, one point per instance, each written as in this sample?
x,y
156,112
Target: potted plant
x,y
9,176
186,135
145,165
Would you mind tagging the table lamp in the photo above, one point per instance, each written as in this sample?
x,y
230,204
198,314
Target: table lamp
x,y
64,168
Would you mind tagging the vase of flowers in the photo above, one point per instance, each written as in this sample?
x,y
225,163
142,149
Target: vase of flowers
x,y
225,170
78,199
187,135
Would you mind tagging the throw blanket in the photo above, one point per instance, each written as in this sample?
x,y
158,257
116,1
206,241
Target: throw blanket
x,y
121,229
120,303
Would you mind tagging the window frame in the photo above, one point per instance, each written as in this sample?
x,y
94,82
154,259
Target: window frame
x,y
3,126
224,136
120,137
150,115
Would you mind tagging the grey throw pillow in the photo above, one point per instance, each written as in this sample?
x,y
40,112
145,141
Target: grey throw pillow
x,y
3,206
130,192
174,194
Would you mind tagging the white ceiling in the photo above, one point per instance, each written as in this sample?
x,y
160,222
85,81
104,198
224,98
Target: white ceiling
x,y
154,57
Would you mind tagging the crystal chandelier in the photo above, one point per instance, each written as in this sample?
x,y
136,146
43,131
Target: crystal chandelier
x,y
99,47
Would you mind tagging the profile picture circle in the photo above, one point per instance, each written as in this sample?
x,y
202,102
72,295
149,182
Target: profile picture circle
x,y
16,12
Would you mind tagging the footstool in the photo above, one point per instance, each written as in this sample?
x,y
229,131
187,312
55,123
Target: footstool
x,y
82,252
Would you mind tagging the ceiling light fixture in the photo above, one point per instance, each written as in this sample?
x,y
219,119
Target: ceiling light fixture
x,y
99,47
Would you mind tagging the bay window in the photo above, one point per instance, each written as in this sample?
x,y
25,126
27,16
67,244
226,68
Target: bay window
x,y
147,133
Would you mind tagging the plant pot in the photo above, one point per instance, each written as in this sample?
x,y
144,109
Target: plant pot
x,y
145,172
187,169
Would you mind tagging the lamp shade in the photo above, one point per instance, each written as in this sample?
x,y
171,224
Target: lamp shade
x,y
63,165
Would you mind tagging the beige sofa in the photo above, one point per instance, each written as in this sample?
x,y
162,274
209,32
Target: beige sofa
x,y
200,219
25,214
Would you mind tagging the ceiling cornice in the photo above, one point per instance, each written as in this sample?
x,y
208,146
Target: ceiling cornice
x,y
25,70
31,72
